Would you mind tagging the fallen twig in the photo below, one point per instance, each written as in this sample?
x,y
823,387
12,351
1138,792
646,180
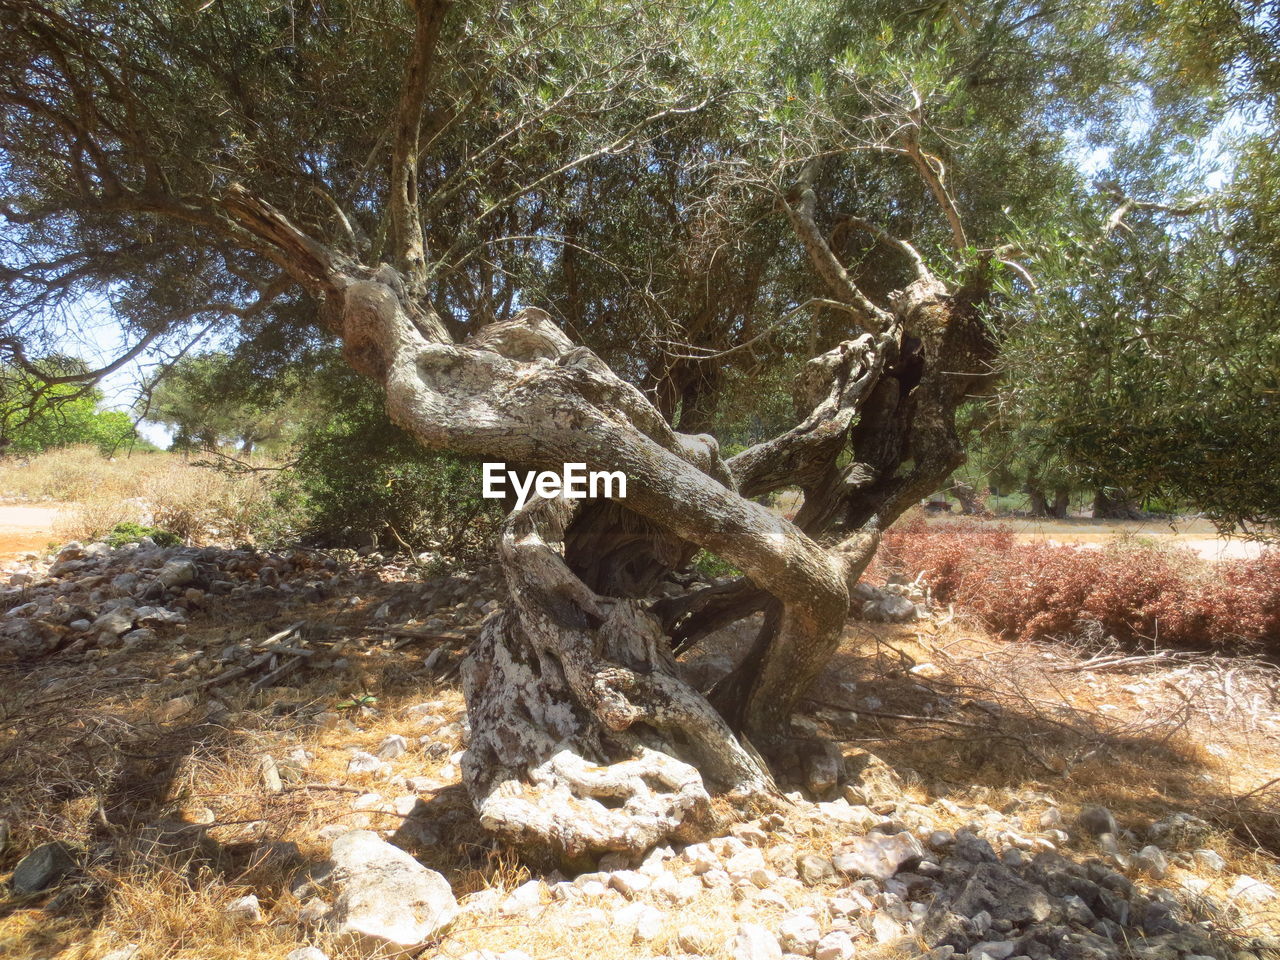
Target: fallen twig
x,y
267,680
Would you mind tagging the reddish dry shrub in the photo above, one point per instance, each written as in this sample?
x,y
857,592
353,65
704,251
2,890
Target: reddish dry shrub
x,y
1132,591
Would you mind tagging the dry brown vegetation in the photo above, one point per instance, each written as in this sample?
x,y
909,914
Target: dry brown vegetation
x,y
175,493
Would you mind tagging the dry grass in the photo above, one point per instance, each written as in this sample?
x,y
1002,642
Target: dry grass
x,y
84,757
166,490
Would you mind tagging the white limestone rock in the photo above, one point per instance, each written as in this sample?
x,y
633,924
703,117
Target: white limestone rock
x,y
386,898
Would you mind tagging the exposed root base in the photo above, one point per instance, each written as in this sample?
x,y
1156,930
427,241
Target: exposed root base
x,y
583,738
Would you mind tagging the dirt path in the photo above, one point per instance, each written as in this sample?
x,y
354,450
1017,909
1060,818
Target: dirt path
x,y
26,527
1194,534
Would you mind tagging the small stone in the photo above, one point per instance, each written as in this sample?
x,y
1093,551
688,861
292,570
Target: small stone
x,y
487,901
630,883
171,710
405,805
392,747
523,898
716,879
1152,861
750,833
941,839
929,671
686,890
755,942
815,869
245,908
177,573
646,920
701,858
114,622
270,774
158,615
42,867
836,945
1012,857
385,896
1051,818
771,896
590,888
799,933
1077,911
992,950
300,757
878,855
1209,860
730,846
742,865
1179,830
362,762
307,953
1096,821
1250,890
849,906
886,929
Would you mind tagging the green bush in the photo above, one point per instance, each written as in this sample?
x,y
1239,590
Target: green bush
x,y
359,478
130,532
709,565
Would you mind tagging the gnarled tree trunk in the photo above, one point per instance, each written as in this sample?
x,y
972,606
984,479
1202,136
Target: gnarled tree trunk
x,y
1114,505
584,738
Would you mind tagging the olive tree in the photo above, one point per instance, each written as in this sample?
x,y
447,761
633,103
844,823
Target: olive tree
x,y
394,175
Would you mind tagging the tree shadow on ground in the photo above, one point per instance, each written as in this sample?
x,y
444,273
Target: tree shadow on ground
x,y
1008,723
85,757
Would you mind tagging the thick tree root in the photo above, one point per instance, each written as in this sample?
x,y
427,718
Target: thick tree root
x,y
583,738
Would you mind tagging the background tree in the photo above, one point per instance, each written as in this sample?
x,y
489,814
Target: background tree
x,y
37,415
1148,368
207,406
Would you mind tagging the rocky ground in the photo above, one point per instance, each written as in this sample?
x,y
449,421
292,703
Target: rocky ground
x,y
214,753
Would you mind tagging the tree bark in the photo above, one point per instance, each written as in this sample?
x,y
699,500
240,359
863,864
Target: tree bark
x,y
1061,502
970,502
1039,503
1114,505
